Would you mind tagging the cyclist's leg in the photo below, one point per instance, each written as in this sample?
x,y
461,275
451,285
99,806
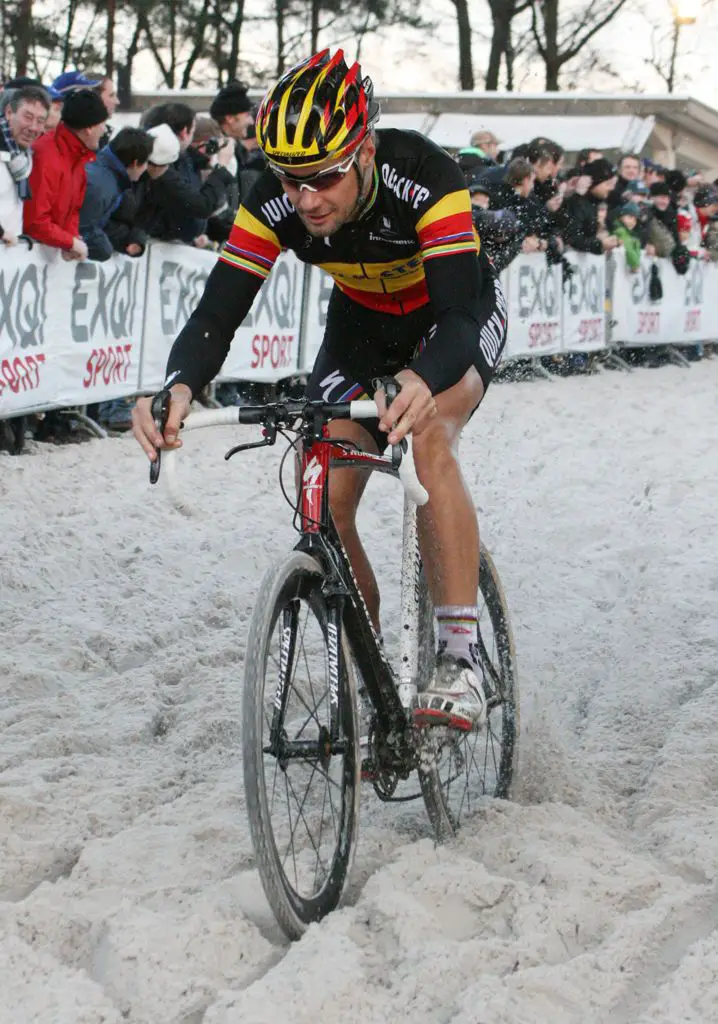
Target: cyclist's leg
x,y
332,383
448,527
449,543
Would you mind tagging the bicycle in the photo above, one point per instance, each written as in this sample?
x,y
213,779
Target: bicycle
x,y
310,637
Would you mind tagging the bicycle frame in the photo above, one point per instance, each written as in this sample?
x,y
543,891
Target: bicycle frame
x,y
390,698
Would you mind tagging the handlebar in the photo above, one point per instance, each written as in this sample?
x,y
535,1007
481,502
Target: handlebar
x,y
286,414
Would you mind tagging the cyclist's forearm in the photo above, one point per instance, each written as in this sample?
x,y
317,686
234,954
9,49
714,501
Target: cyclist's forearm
x,y
203,343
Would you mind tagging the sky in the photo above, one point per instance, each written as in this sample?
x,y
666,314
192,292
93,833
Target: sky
x,y
406,61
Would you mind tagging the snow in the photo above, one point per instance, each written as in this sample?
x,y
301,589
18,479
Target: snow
x,y
127,885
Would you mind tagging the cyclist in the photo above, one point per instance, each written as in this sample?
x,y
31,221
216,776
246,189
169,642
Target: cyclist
x,y
386,213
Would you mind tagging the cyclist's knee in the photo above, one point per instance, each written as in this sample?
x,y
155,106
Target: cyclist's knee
x,y
433,449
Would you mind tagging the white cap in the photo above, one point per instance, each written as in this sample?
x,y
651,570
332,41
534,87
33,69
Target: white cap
x,y
166,147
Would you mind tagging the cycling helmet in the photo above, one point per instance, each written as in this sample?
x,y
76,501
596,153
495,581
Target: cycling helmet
x,y
318,110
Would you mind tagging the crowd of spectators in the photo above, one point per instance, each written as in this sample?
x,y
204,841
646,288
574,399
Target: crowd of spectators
x,y
531,202
69,181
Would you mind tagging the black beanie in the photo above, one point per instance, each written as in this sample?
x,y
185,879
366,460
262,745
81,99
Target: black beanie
x,y
599,170
660,188
83,108
231,99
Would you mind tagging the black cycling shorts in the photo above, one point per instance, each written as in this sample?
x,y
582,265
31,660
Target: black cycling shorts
x,y
361,344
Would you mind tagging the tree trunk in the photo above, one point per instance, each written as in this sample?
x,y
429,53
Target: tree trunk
x,y
170,77
233,59
502,12
280,11
124,71
23,37
69,25
552,59
198,37
110,51
314,28
466,69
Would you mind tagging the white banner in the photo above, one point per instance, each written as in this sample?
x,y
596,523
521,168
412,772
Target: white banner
x,y
686,313
584,304
265,347
71,333
315,319
535,305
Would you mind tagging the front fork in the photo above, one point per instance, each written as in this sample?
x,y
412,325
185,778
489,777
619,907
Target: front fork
x,y
410,598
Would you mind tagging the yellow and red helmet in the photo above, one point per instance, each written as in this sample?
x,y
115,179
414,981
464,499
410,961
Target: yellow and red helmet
x,y
319,110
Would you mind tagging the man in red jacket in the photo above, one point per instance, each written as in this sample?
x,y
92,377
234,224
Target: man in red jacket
x,y
58,180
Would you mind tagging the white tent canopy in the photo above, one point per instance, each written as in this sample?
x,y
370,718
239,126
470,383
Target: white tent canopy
x,y
626,133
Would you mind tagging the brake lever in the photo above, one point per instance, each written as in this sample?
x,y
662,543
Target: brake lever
x,y
391,388
270,436
160,409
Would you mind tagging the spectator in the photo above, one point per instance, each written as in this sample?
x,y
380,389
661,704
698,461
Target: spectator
x,y
64,84
653,172
705,202
663,233
177,209
588,155
625,232
499,230
233,111
21,124
581,211
58,180
546,158
629,171
108,214
207,141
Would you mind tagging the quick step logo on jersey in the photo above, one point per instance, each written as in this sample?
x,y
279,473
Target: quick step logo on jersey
x,y
405,189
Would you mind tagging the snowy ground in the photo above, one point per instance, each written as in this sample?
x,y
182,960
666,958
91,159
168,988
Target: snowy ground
x,y
127,887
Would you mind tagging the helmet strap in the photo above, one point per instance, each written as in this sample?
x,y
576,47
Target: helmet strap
x,y
364,181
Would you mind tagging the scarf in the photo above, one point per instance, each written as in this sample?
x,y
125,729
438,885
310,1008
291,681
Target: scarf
x,y
20,162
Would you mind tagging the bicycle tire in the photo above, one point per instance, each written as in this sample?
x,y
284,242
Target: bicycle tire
x,y
442,815
297,578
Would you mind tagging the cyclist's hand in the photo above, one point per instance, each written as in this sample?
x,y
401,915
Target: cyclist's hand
x,y
143,425
412,410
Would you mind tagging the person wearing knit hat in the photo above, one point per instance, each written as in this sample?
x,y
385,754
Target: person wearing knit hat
x,y
232,109
58,181
165,148
584,231
600,171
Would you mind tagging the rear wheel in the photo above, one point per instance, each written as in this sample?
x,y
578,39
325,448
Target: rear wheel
x,y
459,769
301,749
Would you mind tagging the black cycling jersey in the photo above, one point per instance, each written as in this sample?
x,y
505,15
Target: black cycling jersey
x,y
414,245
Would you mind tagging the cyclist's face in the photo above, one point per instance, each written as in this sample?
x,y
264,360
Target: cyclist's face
x,y
325,211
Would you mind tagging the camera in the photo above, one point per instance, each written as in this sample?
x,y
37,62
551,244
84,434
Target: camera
x,y
213,146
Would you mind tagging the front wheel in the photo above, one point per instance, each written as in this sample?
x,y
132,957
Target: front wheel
x,y
301,746
459,769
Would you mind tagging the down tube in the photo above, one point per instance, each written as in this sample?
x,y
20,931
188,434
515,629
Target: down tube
x,y
410,594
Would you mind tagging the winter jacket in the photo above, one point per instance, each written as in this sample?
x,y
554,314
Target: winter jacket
x,y
176,206
631,245
58,182
581,224
109,191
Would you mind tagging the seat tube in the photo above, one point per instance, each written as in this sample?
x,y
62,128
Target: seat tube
x,y
410,589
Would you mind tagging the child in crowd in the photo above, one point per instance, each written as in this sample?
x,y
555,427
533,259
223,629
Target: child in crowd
x,y
625,231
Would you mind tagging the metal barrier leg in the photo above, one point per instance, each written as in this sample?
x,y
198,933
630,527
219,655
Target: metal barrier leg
x,y
89,424
540,370
612,358
677,357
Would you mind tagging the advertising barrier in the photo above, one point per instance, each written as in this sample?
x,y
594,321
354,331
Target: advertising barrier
x,y
73,333
265,347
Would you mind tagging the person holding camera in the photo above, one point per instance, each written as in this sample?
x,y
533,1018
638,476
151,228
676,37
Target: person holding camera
x,y
178,206
233,111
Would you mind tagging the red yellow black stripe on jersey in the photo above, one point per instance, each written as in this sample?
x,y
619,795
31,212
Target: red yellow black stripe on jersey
x,y
392,286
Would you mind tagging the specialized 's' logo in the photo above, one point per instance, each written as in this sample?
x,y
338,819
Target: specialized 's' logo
x,y
334,380
312,476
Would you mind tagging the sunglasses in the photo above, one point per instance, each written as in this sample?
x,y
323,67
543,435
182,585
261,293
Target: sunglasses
x,y
318,182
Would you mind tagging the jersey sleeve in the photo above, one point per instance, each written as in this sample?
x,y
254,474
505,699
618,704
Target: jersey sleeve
x,y
243,266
